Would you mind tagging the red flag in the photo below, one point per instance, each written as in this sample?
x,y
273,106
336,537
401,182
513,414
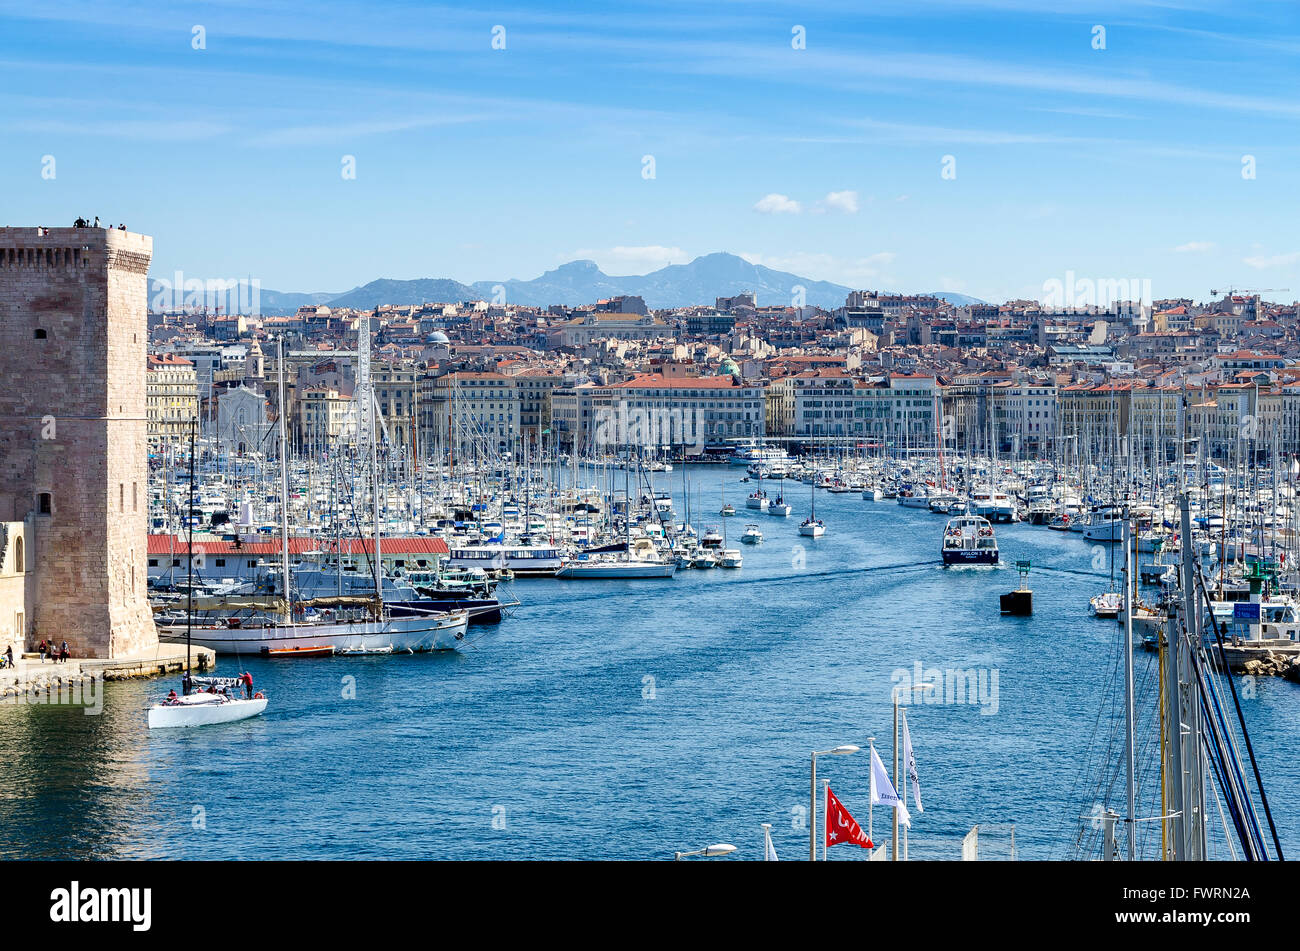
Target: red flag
x,y
841,827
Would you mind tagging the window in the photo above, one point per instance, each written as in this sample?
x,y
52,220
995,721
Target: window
x,y
18,555
44,504
39,334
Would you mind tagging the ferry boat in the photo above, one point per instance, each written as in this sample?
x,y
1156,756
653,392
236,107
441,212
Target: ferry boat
x,y
764,455
969,540
522,560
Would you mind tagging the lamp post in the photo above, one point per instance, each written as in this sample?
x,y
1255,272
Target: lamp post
x,y
708,852
844,750
914,688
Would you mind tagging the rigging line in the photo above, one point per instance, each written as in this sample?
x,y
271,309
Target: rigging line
x,y
1250,750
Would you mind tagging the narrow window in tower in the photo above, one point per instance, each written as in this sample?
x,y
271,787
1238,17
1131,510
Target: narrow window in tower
x,y
39,334
135,496
44,504
121,496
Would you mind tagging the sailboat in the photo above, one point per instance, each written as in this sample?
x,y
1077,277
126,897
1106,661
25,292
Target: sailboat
x,y
812,526
347,624
217,704
780,507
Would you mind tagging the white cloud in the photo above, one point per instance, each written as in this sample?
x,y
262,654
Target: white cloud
x,y
846,201
1194,247
775,204
624,259
1261,262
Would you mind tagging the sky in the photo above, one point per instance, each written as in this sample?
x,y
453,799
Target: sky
x,y
986,147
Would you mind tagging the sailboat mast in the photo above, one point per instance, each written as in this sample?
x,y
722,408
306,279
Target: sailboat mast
x,y
189,545
284,487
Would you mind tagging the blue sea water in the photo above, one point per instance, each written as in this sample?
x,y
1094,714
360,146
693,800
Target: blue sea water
x,y
629,720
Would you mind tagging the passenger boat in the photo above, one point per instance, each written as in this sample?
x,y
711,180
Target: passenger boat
x,y
969,540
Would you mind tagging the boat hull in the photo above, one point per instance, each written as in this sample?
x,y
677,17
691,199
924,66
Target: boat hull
x,y
964,556
418,633
578,572
163,716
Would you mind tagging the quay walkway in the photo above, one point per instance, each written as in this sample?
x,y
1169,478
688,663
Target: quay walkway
x,y
30,675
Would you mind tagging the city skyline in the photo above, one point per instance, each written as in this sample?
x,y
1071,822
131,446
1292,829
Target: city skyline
x,y
482,163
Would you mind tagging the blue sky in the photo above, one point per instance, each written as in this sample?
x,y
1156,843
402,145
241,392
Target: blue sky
x,y
478,163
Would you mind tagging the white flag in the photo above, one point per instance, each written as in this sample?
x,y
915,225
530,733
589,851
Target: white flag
x,y
882,790
909,764
769,850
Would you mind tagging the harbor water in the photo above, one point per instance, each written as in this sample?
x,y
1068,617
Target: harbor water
x,y
631,719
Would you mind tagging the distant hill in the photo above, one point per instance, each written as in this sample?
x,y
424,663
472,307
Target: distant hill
x,y
582,282
401,293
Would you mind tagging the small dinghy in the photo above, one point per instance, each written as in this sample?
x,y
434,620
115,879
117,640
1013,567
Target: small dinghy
x,y
324,651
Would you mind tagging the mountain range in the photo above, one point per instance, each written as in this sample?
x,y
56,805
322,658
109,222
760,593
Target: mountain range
x,y
582,282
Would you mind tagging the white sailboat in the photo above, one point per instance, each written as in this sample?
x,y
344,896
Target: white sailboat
x,y
201,709
812,526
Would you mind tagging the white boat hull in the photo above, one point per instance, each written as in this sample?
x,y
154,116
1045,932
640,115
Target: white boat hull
x,y
575,571
418,633
165,716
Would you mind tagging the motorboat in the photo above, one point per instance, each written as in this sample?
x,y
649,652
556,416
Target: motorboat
x,y
969,540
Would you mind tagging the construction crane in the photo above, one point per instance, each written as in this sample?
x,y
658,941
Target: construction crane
x,y
1252,290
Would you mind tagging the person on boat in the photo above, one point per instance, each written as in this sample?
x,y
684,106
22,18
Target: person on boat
x,y
187,685
247,679
171,696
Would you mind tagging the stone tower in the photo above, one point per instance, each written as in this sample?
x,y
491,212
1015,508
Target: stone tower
x,y
73,456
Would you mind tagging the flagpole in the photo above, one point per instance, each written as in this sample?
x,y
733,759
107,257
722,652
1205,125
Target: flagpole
x,y
812,813
906,828
871,794
893,838
826,814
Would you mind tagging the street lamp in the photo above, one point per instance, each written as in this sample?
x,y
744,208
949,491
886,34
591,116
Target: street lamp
x,y
844,750
708,852
914,688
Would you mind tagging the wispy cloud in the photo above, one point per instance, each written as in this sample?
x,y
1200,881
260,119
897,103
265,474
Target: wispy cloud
x,y
1193,247
775,204
1264,262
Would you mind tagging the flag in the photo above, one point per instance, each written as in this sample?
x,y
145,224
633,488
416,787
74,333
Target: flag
x,y
882,790
769,850
909,765
841,826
